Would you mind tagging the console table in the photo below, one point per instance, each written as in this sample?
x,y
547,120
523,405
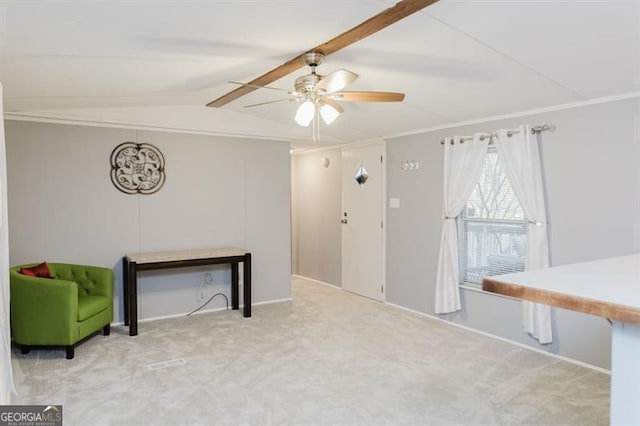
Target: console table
x,y
609,288
132,263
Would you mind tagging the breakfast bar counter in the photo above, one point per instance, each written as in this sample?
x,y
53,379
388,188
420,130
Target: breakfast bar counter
x,y
609,288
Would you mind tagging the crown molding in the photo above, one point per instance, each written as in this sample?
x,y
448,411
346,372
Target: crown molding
x,y
560,107
16,116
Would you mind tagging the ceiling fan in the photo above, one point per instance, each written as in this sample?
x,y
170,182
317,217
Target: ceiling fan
x,y
319,94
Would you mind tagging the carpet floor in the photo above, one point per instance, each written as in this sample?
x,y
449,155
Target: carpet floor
x,y
328,357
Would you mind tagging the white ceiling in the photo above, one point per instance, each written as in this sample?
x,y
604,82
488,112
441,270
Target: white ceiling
x,y
157,63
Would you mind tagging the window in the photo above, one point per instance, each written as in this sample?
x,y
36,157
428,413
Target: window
x,y
492,227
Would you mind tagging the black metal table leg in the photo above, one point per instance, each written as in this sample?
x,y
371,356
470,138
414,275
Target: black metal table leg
x,y
125,288
247,284
133,299
235,304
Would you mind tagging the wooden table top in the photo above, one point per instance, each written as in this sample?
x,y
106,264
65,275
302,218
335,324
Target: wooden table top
x,y
174,256
608,288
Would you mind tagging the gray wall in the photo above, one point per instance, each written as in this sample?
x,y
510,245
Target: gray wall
x,y
316,208
592,167
218,192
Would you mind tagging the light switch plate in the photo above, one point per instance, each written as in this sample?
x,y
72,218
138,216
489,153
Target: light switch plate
x,y
394,203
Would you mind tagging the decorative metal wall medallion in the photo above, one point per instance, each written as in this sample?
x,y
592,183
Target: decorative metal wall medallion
x,y
137,168
361,175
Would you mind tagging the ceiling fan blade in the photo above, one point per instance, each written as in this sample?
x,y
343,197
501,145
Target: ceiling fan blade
x,y
367,96
268,102
336,80
372,25
332,103
255,86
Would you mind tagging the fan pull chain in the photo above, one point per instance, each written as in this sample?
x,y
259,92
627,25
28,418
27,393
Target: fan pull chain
x,y
316,125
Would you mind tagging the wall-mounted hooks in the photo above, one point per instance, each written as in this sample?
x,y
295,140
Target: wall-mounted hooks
x,y
407,165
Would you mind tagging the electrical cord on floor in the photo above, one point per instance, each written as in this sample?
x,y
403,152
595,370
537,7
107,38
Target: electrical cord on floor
x,y
207,279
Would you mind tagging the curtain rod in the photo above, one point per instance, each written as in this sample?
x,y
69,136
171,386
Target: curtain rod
x,y
534,130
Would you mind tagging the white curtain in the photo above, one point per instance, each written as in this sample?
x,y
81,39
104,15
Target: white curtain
x,y
462,167
6,374
520,157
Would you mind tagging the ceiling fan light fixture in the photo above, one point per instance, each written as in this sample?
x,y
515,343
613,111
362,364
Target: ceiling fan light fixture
x,y
305,113
329,113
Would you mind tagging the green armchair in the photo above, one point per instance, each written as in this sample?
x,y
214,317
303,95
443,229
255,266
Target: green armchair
x,y
63,310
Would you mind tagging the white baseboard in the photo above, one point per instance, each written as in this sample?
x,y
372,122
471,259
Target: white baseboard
x,y
484,333
493,336
184,314
162,317
316,281
269,302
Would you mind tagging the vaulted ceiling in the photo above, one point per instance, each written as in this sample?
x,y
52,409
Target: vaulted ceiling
x,y
155,64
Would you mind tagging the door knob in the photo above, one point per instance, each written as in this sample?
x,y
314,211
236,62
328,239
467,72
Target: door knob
x,y
344,220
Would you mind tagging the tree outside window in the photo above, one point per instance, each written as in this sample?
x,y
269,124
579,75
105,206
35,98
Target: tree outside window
x,y
492,227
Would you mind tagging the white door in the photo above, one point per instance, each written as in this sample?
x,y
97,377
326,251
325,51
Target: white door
x,y
362,215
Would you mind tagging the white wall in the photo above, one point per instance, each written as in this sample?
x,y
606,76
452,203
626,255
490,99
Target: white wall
x,y
219,192
593,181
316,205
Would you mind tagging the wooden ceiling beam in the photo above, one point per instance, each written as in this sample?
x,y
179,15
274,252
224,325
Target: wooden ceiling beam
x,y
371,26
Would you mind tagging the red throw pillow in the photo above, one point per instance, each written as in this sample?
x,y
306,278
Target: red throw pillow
x,y
41,271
